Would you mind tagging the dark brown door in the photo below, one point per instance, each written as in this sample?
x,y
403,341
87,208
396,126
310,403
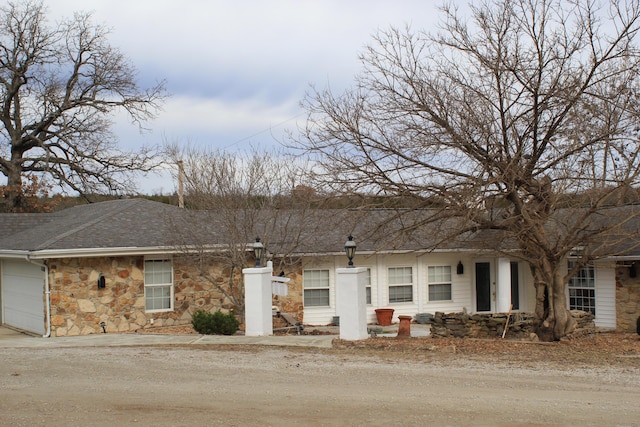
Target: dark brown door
x,y
483,286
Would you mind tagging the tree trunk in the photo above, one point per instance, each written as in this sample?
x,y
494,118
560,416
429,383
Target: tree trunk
x,y
553,319
13,192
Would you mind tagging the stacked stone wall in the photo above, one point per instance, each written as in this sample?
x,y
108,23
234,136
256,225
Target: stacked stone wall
x,y
521,325
78,306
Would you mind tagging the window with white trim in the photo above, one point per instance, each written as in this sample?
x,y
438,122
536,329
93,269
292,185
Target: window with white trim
x,y
316,288
400,284
158,284
439,277
582,289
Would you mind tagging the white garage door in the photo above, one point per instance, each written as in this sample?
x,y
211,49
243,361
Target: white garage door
x,y
22,295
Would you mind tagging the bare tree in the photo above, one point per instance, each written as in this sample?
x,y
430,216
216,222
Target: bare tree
x,y
238,197
521,118
59,84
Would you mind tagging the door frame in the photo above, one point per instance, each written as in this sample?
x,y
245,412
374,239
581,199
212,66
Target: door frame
x,y
492,284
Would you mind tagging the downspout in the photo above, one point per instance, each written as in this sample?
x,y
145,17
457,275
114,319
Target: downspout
x,y
47,292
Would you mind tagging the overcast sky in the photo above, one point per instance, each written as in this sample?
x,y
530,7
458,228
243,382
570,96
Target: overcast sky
x,y
237,69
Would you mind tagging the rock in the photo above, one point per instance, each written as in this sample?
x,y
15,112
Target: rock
x,y
451,349
86,306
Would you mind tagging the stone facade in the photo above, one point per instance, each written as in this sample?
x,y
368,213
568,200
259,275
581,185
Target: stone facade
x,y
78,306
627,296
293,302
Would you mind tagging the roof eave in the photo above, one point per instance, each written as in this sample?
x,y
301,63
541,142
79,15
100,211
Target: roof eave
x,y
14,254
390,252
114,252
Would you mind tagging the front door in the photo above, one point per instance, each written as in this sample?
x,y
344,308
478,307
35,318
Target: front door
x,y
483,286
515,286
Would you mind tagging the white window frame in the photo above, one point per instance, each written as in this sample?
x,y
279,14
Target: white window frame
x,y
436,277
305,287
161,284
583,281
368,297
400,284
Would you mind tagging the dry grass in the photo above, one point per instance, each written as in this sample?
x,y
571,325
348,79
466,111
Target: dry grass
x,y
598,349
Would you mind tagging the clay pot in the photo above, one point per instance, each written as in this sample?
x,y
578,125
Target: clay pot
x,y
384,316
404,330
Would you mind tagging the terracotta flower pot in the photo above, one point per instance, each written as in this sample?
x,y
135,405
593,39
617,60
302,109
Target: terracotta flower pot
x,y
384,316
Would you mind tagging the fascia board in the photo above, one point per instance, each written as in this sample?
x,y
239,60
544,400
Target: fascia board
x,y
14,254
392,252
114,252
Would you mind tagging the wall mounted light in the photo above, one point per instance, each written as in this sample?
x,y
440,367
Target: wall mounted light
x,y
460,268
101,282
258,250
350,249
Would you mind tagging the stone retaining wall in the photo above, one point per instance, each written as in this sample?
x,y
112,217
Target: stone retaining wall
x,y
463,325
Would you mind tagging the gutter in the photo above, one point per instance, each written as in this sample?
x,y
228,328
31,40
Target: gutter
x,y
11,254
47,292
118,251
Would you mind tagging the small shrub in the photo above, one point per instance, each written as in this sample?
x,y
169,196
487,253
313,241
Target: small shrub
x,y
216,323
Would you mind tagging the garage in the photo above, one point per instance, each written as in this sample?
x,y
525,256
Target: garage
x,y
22,290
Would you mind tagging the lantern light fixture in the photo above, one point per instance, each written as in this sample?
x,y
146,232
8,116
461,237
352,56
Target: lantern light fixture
x,y
350,249
258,250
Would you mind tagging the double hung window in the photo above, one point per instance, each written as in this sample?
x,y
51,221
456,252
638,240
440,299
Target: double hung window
x,y
400,284
158,284
439,283
582,289
316,288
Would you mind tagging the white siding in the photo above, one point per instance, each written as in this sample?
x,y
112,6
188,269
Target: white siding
x,y
322,315
379,264
400,260
605,296
460,284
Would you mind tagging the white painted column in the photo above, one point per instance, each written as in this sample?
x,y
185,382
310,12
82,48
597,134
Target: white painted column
x,y
352,302
336,290
257,301
419,283
503,284
381,281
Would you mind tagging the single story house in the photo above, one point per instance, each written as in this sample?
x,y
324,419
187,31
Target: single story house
x,y
119,266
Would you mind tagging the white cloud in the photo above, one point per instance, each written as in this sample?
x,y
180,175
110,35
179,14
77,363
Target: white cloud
x,y
213,123
200,115
237,69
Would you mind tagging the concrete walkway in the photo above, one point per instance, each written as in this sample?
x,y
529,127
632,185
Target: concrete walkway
x,y
10,338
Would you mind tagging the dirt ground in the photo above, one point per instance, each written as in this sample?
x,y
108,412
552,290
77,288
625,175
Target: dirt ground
x,y
586,381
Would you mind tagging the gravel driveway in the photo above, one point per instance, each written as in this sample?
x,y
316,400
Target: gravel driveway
x,y
246,386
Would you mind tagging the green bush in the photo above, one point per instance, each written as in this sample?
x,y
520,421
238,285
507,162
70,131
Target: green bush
x,y
216,323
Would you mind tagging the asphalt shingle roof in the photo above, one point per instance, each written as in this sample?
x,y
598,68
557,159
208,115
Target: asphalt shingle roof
x,y
141,223
116,223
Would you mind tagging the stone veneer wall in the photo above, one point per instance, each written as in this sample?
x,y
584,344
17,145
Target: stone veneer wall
x,y
78,306
292,303
627,298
